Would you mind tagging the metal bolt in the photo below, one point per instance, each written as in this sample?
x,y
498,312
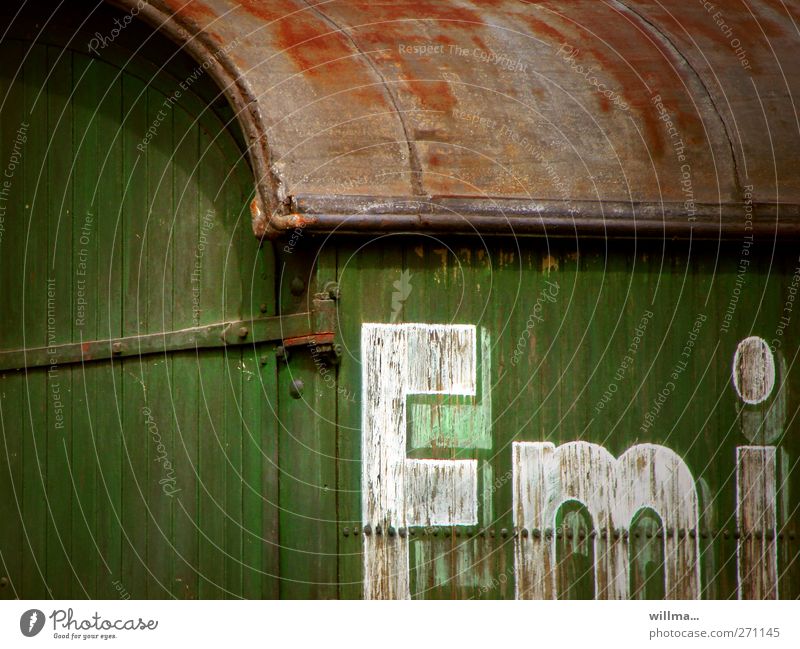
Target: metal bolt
x,y
243,331
263,307
264,359
297,286
524,533
346,531
537,533
412,532
296,388
504,532
116,348
3,582
282,354
392,531
367,529
378,529
402,532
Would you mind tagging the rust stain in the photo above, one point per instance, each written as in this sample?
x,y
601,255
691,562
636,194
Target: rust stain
x,y
196,11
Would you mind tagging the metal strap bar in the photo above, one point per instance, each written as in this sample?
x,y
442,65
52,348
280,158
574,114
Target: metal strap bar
x,y
315,326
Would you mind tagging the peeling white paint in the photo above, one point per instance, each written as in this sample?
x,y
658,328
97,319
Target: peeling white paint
x,y
756,518
613,490
467,425
753,370
399,360
441,492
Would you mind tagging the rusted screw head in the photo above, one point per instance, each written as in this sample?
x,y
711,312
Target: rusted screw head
x,y
116,348
243,331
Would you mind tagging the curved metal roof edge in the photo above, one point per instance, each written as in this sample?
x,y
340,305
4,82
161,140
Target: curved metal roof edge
x,y
273,214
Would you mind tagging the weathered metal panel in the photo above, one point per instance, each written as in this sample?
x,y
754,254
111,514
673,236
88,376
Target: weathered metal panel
x,y
621,105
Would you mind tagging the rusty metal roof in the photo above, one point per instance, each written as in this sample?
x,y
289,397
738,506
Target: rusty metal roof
x,y
588,116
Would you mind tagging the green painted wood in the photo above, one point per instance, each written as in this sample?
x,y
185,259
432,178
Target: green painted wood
x,y
91,517
13,541
34,326
307,451
551,391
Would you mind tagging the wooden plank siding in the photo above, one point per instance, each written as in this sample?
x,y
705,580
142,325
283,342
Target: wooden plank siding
x,y
141,234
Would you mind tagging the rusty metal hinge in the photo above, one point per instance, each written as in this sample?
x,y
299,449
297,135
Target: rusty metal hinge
x,y
314,328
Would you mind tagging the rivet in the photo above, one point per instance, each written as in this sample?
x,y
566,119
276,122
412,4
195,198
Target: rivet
x,y
264,359
537,533
378,529
296,388
504,532
282,354
243,331
524,533
346,531
491,533
3,582
548,533
116,348
392,531
726,534
263,307
670,532
402,532
681,533
412,532
704,534
356,531
297,286
367,530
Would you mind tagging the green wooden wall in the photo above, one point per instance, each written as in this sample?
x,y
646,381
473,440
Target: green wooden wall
x,y
150,476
